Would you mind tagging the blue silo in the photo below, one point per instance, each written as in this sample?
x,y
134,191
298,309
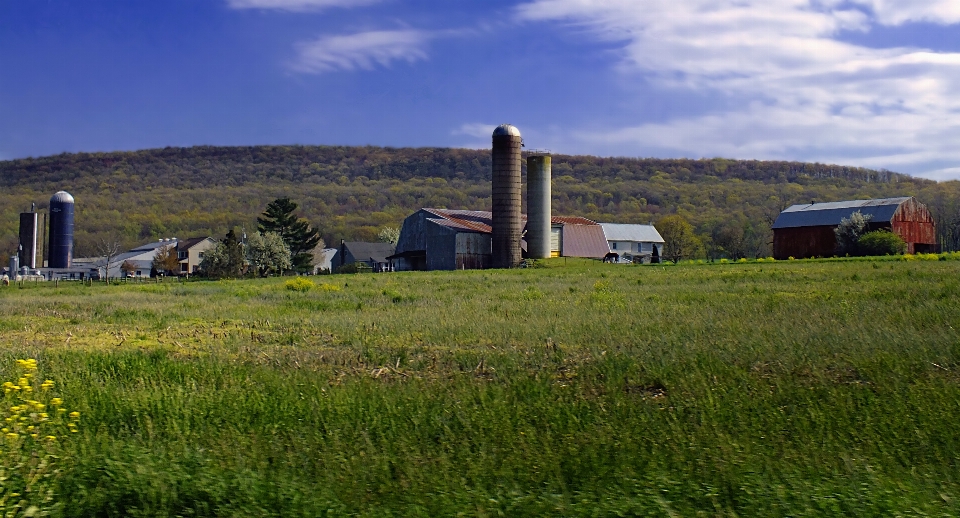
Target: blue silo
x,y
60,249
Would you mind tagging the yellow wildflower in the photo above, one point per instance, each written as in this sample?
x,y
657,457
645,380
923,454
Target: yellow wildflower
x,y
56,401
75,415
51,438
12,435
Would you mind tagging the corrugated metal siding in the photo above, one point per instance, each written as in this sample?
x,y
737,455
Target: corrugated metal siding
x,y
584,241
473,251
413,233
441,247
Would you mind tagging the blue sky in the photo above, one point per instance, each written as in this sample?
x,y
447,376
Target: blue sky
x,y
874,83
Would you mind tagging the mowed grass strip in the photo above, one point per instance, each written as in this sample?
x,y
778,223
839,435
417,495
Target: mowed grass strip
x,y
580,389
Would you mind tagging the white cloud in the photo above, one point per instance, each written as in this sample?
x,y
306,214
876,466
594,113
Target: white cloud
x,y
897,12
363,50
800,91
475,129
296,5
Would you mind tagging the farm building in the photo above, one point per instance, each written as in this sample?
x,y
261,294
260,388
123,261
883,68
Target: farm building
x,y
190,253
803,231
442,239
634,243
372,255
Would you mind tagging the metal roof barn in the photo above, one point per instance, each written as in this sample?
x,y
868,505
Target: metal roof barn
x,y
443,239
807,230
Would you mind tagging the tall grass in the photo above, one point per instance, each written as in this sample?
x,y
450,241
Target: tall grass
x,y
773,388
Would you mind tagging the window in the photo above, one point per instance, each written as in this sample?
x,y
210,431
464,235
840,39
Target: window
x,y
181,255
613,245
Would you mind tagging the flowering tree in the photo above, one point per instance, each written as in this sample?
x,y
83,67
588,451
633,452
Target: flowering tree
x,y
268,253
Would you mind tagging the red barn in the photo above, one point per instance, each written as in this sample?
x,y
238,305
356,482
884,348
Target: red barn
x,y
808,230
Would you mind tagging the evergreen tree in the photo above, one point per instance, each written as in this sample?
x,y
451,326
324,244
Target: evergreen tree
x,y
295,232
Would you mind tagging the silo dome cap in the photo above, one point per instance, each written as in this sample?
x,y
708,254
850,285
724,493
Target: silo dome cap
x,y
506,130
62,197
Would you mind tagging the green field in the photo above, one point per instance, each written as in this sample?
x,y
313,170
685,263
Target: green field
x,y
797,388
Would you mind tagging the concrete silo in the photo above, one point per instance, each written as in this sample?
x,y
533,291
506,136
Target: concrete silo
x,y
60,248
538,206
28,239
506,197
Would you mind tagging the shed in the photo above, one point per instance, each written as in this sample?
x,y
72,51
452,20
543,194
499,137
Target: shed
x,y
373,255
807,230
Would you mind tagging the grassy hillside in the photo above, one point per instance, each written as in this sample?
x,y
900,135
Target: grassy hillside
x,y
352,192
581,389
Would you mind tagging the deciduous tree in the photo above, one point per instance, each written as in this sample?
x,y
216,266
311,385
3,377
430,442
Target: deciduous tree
x,y
268,253
165,261
849,231
679,240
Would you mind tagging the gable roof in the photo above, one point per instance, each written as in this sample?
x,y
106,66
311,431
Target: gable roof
x,y
482,220
364,251
187,244
631,232
830,214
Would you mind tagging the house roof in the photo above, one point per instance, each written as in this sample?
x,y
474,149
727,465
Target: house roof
x,y
830,214
376,252
630,232
584,241
187,244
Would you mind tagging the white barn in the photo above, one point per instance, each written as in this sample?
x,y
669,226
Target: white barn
x,y
633,243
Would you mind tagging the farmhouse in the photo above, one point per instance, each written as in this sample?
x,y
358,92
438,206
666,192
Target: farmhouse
x,y
803,231
190,253
442,239
634,243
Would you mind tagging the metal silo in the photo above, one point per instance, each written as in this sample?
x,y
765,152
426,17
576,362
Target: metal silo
x,y
28,239
506,197
60,248
538,206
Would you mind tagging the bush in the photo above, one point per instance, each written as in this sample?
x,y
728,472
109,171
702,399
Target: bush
x,y
300,284
880,242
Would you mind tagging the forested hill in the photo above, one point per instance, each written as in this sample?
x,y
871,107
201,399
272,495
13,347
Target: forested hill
x,y
209,166
352,192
